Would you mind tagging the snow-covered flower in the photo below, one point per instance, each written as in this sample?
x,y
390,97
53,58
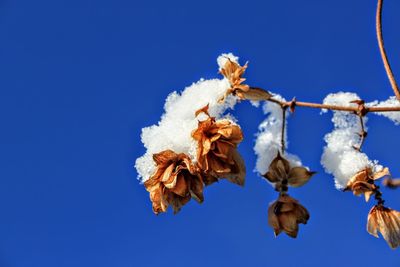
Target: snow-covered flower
x,y
174,182
363,182
217,154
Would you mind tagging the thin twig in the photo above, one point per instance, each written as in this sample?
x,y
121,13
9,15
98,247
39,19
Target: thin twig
x,y
283,129
363,133
382,50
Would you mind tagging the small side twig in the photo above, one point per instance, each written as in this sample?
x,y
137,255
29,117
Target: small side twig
x,y
362,134
391,183
283,129
361,112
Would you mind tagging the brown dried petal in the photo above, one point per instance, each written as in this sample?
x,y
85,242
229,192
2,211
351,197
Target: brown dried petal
x,y
180,188
372,223
298,176
361,187
238,171
380,174
288,222
231,132
278,169
218,166
302,214
387,222
167,178
177,202
159,202
209,179
164,157
273,219
196,189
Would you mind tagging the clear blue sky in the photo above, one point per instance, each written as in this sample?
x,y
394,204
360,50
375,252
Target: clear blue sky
x,y
79,79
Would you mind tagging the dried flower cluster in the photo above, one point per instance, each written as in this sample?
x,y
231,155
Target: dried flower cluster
x,y
200,148
177,179
286,213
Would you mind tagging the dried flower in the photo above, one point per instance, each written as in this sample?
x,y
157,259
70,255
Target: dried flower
x,y
281,174
234,72
217,154
174,182
363,182
387,222
285,214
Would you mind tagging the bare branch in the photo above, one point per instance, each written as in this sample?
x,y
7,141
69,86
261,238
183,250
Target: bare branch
x,y
334,107
382,50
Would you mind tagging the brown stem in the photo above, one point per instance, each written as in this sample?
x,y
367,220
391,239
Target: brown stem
x,y
382,50
378,196
335,107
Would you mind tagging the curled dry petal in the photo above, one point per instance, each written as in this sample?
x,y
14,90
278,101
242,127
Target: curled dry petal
x,y
387,222
174,182
217,155
279,171
384,172
285,214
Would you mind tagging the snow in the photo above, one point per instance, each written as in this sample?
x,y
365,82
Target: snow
x,y
268,140
339,157
174,129
391,102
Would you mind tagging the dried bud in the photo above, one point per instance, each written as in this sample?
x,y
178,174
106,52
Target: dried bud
x,y
253,94
285,214
280,173
363,182
234,72
217,155
387,222
174,182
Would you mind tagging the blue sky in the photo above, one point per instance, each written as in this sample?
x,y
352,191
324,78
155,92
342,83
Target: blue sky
x,y
79,79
